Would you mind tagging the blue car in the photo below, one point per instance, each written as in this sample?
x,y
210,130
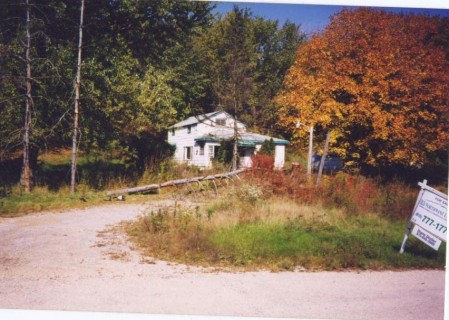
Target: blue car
x,y
331,163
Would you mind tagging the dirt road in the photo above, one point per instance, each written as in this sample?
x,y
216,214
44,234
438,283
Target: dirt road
x,y
73,261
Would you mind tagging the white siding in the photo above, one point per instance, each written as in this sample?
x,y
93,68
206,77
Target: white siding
x,y
182,139
246,160
211,124
279,156
204,160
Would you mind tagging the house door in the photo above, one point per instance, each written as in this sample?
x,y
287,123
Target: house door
x,y
216,151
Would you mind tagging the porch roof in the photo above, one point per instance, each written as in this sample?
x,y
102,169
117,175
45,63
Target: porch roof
x,y
246,139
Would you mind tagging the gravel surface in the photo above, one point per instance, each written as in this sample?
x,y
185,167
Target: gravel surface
x,y
75,260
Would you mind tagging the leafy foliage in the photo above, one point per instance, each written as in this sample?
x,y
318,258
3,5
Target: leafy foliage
x,y
225,151
131,72
267,148
380,82
146,64
246,59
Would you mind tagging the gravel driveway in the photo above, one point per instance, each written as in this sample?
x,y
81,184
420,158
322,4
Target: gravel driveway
x,y
75,261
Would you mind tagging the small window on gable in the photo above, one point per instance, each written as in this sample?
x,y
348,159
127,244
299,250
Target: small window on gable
x,y
221,122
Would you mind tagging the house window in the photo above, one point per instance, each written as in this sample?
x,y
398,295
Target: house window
x,y
221,122
189,129
187,153
173,131
202,150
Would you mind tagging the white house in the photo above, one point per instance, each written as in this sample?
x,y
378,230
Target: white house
x,y
198,138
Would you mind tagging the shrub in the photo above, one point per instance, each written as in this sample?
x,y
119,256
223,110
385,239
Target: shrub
x,y
355,194
249,193
397,200
267,148
263,163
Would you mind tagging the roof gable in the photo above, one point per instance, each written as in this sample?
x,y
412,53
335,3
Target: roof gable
x,y
201,118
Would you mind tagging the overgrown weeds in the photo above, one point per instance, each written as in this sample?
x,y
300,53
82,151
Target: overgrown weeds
x,y
252,226
171,232
355,194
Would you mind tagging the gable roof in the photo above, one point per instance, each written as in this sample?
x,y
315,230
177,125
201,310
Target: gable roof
x,y
201,118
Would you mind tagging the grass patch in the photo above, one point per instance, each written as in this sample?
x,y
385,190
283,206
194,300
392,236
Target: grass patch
x,y
96,173
354,243
42,199
278,234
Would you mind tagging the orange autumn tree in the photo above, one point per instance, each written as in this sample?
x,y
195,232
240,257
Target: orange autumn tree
x,y
379,82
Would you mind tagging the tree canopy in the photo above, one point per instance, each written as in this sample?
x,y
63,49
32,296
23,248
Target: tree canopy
x,y
145,65
247,58
380,82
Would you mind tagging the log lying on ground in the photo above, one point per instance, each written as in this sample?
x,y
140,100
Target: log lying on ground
x,y
172,183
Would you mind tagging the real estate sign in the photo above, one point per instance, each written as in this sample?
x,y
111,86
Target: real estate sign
x,y
426,237
429,217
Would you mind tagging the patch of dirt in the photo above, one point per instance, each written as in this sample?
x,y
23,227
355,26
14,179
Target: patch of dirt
x,y
81,260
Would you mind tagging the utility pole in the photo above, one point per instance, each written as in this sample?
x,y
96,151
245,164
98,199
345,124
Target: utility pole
x,y
76,108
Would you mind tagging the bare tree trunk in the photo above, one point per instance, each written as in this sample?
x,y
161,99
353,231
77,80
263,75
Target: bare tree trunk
x,y
323,158
26,170
76,109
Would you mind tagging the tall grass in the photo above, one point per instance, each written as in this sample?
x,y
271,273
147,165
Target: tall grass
x,y
355,194
250,228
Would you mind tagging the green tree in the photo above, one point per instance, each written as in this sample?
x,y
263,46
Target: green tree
x,y
264,53
246,59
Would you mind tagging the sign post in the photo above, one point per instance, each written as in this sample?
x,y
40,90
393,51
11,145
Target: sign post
x,y
428,221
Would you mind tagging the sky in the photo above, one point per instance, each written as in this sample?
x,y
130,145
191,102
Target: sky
x,y
312,18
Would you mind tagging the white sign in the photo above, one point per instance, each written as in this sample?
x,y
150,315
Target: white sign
x,y
426,237
429,217
431,213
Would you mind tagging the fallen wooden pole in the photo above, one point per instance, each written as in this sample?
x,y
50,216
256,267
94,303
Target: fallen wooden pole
x,y
172,183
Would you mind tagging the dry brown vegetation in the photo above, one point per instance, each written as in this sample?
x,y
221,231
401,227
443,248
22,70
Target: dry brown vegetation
x,y
277,220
